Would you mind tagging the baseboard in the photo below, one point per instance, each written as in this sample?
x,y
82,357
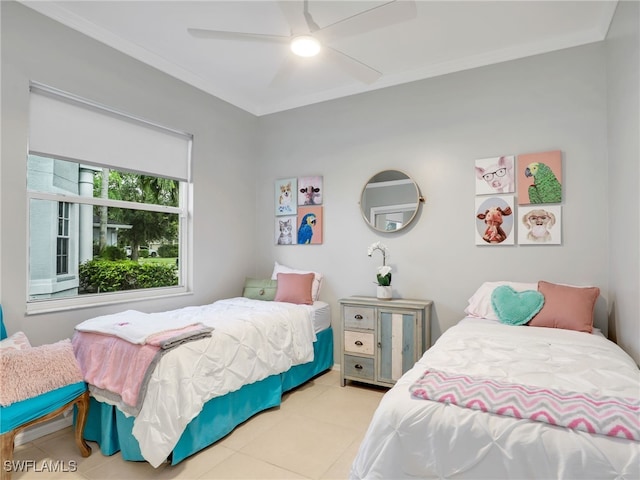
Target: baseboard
x,y
30,434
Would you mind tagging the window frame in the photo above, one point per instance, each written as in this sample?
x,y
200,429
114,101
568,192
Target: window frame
x,y
63,238
183,210
107,298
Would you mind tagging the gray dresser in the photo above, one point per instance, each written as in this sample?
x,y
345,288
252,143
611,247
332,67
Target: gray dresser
x,y
382,339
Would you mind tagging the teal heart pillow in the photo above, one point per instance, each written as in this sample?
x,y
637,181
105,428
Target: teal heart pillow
x,y
515,308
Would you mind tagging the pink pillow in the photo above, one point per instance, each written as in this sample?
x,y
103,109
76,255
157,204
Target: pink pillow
x,y
317,282
17,341
31,372
566,307
295,288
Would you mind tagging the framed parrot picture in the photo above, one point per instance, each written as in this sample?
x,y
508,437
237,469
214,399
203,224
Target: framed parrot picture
x,y
539,178
309,225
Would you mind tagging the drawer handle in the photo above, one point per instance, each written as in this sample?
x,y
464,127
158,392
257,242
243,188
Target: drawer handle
x,y
358,317
359,343
357,366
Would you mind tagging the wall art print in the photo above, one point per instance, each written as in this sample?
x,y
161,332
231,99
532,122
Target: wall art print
x,y
494,220
285,196
539,178
495,175
310,190
309,225
540,225
286,231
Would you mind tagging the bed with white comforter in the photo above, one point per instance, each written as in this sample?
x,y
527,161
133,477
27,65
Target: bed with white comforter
x,y
411,437
251,340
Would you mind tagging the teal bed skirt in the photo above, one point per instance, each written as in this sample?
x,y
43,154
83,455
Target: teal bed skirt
x,y
111,429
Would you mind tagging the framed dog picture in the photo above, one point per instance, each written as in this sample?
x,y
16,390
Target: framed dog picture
x,y
286,196
540,225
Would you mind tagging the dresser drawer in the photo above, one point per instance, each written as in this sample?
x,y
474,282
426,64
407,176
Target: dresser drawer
x,y
358,342
358,367
359,317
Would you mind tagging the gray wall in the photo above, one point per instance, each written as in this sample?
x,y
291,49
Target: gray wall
x,y
36,48
434,130
623,81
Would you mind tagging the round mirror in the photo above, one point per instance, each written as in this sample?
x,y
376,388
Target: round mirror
x,y
390,201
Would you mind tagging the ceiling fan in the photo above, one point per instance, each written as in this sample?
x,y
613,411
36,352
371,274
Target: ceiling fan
x,y
306,33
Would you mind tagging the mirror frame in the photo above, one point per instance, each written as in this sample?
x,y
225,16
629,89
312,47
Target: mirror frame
x,y
395,207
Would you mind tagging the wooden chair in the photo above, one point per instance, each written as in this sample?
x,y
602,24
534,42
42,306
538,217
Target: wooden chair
x,y
20,415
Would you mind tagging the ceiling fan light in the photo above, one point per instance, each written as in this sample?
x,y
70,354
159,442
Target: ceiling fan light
x,y
305,46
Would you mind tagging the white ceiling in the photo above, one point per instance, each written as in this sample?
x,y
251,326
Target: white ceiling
x,y
442,37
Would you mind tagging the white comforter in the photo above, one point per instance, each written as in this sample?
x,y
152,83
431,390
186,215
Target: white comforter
x,y
415,438
251,340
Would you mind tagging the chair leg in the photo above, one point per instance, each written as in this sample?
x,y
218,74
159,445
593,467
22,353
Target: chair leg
x,y
83,409
7,439
6,446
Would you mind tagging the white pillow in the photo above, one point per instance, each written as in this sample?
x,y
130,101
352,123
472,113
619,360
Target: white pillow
x,y
17,341
317,280
480,302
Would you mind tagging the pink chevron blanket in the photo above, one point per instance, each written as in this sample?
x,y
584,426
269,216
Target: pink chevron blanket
x,y
612,416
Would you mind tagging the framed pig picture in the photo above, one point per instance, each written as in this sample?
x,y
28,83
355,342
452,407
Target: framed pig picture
x,y
495,176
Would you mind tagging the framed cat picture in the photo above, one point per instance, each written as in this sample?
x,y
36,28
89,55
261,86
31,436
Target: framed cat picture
x,y
286,231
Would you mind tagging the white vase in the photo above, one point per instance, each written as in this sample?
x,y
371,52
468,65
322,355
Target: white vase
x,y
384,292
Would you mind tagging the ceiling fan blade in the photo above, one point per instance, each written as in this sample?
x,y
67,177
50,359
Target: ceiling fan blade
x,y
313,26
395,11
353,67
249,37
298,16
293,14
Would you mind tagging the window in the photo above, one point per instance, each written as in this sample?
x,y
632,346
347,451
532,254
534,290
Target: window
x,y
107,198
62,242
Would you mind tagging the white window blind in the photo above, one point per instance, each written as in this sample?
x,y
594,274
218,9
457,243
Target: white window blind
x,y
66,126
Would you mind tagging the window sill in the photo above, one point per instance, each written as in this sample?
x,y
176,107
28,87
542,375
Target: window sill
x,y
101,300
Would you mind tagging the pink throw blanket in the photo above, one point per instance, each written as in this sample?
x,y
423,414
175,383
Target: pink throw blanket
x,y
120,370
612,416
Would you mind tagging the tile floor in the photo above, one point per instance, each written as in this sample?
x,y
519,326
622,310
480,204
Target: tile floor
x,y
314,434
